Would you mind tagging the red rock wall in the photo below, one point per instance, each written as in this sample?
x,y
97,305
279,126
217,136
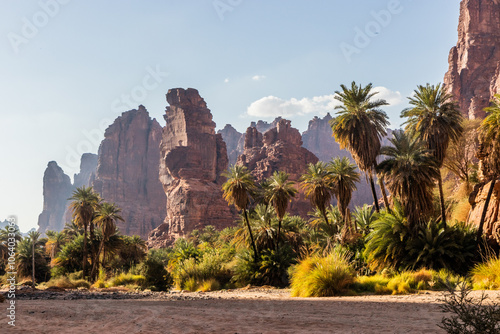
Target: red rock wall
x,y
474,63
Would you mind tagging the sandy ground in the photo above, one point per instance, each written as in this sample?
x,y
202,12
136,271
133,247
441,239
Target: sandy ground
x,y
236,311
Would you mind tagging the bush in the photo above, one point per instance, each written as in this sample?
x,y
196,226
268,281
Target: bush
x,y
127,279
65,282
191,274
486,276
469,315
318,276
374,284
155,274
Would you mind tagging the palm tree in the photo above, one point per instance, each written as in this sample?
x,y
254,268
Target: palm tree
x,y
435,119
4,240
33,237
106,219
359,127
410,170
281,191
344,176
55,243
490,152
237,190
85,203
318,186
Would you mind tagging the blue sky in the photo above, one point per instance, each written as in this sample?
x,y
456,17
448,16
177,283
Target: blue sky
x,y
69,68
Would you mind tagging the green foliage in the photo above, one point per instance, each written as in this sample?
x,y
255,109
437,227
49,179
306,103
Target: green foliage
x,y
69,258
487,275
24,260
318,276
127,279
191,274
469,314
65,282
156,275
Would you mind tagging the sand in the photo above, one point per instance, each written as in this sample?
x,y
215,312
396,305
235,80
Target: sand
x,y
235,311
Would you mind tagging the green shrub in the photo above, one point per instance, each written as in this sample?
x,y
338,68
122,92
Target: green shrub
x,y
486,276
374,284
318,276
65,282
127,279
156,275
191,273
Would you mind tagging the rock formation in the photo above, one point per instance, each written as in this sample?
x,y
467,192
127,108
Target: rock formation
x,y
192,158
127,171
57,189
234,142
477,200
278,149
473,76
88,167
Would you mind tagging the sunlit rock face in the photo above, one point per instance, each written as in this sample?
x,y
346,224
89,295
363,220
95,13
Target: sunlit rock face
x,y
473,76
193,157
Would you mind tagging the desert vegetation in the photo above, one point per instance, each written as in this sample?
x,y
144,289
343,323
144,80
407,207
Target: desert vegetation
x,y
416,240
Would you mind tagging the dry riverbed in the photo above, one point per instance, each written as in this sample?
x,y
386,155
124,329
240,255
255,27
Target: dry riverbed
x,y
249,310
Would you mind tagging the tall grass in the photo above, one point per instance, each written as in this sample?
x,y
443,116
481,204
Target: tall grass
x,y
486,275
205,274
318,276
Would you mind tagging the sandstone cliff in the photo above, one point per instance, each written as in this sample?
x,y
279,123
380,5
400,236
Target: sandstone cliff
x,y
234,142
192,159
127,171
57,189
473,76
278,149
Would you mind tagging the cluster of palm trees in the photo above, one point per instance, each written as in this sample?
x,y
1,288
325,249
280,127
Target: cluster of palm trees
x,y
320,183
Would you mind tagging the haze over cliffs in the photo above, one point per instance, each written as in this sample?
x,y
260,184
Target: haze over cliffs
x,y
473,76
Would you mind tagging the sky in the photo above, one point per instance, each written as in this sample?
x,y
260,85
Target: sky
x,y
68,68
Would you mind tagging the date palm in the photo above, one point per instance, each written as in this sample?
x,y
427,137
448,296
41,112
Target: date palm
x,y
237,190
359,126
34,237
318,186
84,204
55,243
280,193
106,219
490,151
435,119
344,176
410,170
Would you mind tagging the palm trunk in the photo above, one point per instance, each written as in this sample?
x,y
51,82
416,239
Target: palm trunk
x,y
374,193
485,209
84,265
33,264
94,265
441,198
384,194
255,253
325,217
278,237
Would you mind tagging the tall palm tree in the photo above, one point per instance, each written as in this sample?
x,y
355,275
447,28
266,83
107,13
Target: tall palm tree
x,y
318,186
344,176
281,192
85,203
410,170
359,126
237,190
55,243
106,219
490,152
34,237
435,119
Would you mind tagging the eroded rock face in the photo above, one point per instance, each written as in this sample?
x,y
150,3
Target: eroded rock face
x,y
57,189
234,142
474,63
192,159
127,171
278,149
88,167
477,199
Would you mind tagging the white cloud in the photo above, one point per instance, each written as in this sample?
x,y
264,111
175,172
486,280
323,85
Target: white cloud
x,y
226,80
272,106
392,97
258,77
